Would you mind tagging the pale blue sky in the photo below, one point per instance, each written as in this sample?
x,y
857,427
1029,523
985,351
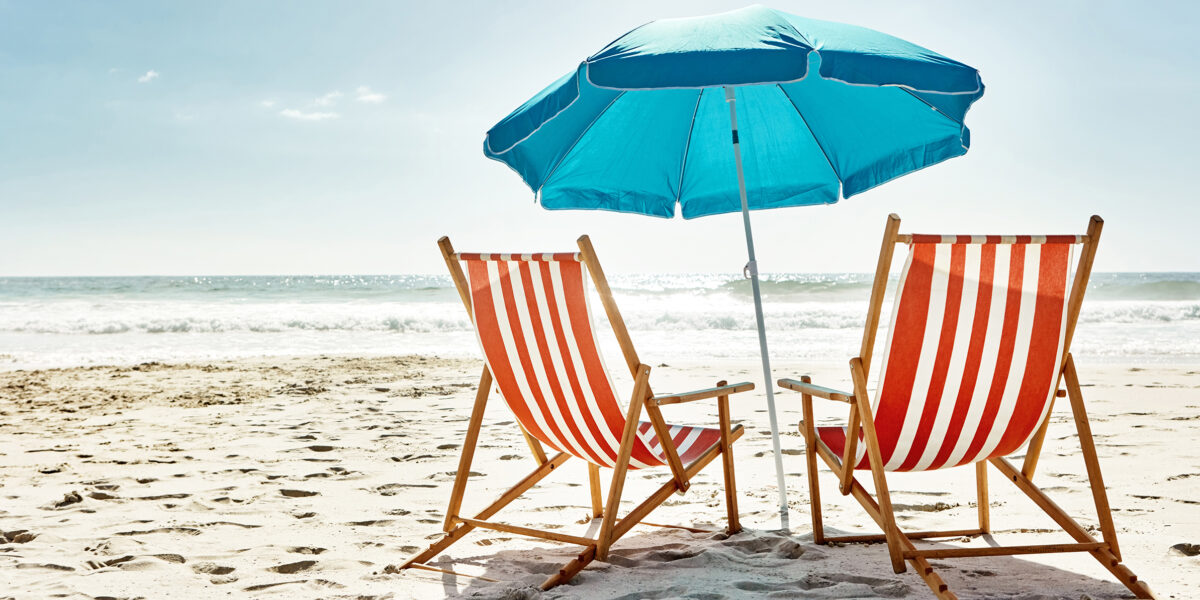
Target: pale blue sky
x,y
322,137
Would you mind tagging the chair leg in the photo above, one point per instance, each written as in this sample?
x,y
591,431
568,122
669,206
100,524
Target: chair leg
x,y
1091,460
731,506
890,529
981,497
808,430
468,449
875,457
641,387
814,494
594,484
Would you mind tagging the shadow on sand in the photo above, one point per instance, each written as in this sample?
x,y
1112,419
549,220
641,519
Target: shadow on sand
x,y
660,564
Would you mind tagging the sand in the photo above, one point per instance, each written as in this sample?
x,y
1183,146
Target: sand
x,y
313,477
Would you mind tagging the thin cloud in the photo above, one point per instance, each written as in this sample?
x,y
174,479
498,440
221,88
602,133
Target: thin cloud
x,y
148,77
328,99
292,113
366,95
267,103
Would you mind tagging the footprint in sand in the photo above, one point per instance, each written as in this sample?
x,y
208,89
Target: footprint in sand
x,y
977,573
209,568
298,493
51,566
183,530
878,587
295,567
677,591
408,457
68,499
312,582
672,555
371,523
391,489
112,562
218,574
19,536
164,497
935,507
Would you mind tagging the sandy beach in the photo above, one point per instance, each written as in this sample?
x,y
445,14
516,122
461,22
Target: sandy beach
x,y
313,477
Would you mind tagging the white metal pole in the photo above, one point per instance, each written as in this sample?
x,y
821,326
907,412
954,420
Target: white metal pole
x,y
752,269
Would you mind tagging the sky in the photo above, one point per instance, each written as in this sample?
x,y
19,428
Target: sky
x,y
271,137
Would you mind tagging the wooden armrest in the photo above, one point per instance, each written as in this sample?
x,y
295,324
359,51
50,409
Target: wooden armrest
x,y
725,390
816,390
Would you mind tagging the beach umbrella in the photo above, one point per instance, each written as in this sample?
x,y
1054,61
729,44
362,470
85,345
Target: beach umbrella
x,y
739,111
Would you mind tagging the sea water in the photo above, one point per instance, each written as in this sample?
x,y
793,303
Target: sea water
x,y
72,321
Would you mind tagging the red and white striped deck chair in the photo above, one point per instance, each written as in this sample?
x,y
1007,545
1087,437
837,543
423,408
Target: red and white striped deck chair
x,y
978,344
531,314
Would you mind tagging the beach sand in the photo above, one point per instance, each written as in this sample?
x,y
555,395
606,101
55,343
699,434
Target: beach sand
x,y
313,477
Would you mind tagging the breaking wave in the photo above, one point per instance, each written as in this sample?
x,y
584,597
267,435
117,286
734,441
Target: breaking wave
x,y
1125,314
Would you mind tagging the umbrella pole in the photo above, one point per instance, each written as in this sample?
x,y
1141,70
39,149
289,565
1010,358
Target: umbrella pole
x,y
752,269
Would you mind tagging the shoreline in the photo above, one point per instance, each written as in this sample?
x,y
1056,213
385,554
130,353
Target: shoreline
x,y
9,365
309,476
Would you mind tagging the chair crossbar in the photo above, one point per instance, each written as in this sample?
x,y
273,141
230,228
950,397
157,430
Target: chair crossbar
x,y
915,535
925,238
1004,550
691,529
528,531
528,257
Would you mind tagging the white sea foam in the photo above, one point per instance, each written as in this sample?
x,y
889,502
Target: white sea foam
x,y
66,321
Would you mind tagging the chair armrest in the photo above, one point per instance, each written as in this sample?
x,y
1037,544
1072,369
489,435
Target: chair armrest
x,y
723,390
816,390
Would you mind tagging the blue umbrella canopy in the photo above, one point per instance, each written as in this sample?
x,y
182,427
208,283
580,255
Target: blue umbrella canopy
x,y
825,111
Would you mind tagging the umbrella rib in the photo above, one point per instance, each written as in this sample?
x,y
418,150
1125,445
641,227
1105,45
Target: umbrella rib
x,y
576,142
814,136
687,146
939,111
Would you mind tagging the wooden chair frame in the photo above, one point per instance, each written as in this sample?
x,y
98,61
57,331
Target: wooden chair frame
x,y
456,526
900,545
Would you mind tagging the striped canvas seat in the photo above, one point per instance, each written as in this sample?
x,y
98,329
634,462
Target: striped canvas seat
x,y
973,351
979,342
535,328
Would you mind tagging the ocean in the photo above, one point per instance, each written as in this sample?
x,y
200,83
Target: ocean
x,y
78,321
